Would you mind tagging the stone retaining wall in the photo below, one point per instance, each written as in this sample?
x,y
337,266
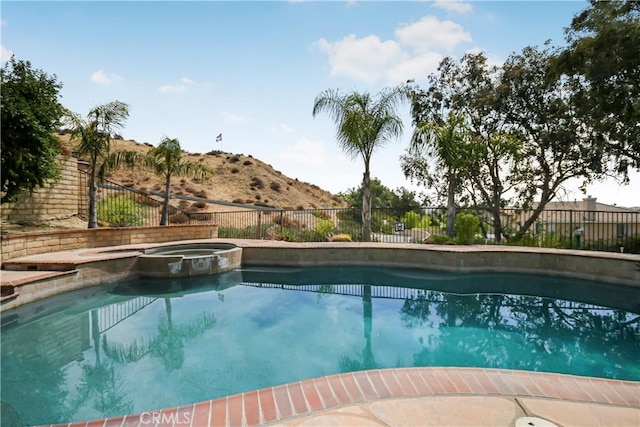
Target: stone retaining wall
x,y
56,200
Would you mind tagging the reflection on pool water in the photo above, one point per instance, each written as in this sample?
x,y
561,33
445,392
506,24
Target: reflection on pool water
x,y
149,344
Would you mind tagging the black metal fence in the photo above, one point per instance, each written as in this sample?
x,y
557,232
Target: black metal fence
x,y
120,206
615,230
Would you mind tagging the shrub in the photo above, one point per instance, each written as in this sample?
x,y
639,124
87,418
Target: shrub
x,y
178,218
324,226
121,211
414,220
202,194
466,227
321,214
286,221
235,170
257,182
275,186
440,239
237,201
247,162
387,228
341,238
234,159
199,204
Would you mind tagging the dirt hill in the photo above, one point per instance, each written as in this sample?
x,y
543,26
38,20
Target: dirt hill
x,y
239,179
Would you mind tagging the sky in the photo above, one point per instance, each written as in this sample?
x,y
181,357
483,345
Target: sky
x,y
252,70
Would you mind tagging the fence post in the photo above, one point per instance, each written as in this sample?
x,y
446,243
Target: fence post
x,y
259,224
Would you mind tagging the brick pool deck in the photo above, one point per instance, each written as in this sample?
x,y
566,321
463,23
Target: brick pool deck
x,y
410,396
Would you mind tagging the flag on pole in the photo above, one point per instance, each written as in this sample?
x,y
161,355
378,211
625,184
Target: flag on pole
x,y
219,138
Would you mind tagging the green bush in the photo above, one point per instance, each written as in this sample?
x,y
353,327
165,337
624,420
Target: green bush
x,y
121,211
324,227
387,228
414,220
546,240
466,225
440,239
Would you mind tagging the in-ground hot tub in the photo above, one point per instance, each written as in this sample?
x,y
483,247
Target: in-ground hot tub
x,y
188,260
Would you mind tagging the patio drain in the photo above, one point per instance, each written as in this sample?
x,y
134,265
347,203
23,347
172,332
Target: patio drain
x,y
534,422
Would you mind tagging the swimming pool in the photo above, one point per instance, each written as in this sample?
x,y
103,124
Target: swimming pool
x,y
147,344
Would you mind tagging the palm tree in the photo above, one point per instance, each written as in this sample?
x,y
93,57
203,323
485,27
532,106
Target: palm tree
x,y
446,144
364,124
165,161
93,136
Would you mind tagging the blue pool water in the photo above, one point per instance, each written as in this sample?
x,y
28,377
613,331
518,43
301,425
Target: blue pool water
x,y
137,346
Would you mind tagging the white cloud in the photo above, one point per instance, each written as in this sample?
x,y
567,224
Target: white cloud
x,y
416,51
431,33
172,88
105,79
454,6
305,152
187,81
5,54
415,67
282,128
233,119
365,59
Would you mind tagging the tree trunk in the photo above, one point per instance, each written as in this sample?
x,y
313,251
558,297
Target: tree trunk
x,y
93,201
367,314
497,227
165,207
366,205
451,206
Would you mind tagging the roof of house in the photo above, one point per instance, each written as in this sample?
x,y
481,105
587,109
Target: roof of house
x,y
579,206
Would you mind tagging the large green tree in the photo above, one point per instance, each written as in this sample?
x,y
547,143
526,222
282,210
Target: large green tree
x,y
529,140
31,113
485,165
556,143
364,125
602,59
93,137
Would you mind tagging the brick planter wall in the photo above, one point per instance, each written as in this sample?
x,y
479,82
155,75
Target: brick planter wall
x,y
23,244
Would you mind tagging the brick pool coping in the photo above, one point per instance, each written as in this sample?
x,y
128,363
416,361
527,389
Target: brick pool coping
x,y
313,396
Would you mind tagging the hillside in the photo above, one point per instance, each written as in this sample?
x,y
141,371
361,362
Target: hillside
x,y
238,178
